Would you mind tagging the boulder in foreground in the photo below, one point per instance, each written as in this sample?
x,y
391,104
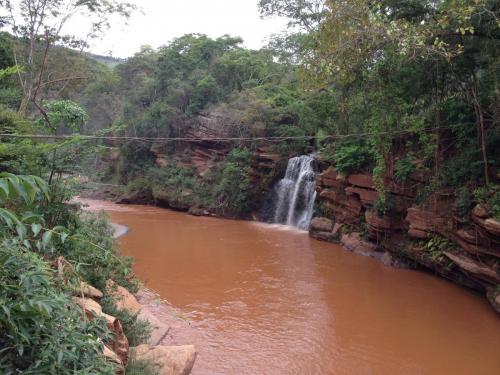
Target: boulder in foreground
x,y
168,360
123,299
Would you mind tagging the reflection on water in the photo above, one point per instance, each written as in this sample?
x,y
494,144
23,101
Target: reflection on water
x,y
273,301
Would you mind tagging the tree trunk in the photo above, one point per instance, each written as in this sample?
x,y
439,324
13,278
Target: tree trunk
x,y
481,130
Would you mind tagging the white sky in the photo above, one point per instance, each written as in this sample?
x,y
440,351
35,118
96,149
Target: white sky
x,y
162,20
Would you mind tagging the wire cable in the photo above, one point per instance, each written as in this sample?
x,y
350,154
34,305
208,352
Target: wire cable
x,y
218,139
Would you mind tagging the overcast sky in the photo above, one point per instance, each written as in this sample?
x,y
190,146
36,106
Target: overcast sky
x,y
162,20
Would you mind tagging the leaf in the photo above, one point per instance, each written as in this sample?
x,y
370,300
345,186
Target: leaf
x,y
36,228
46,238
21,231
4,188
17,190
43,186
63,237
30,218
30,187
59,228
9,217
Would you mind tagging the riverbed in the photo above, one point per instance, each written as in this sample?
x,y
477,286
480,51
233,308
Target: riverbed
x,y
267,299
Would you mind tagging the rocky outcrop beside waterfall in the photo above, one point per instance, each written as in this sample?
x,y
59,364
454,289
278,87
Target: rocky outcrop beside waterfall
x,y
428,235
206,158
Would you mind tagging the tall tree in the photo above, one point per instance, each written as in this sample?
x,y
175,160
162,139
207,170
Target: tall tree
x,y
39,26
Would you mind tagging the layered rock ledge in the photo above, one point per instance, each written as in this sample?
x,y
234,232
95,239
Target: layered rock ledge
x,y
470,257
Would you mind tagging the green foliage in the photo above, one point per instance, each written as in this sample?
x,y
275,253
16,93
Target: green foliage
x,y
94,254
352,155
436,246
179,186
383,205
42,331
205,91
489,197
227,190
140,186
403,170
136,158
233,191
140,367
136,330
66,114
22,187
291,146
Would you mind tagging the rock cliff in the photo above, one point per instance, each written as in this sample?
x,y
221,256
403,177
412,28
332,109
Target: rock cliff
x,y
427,234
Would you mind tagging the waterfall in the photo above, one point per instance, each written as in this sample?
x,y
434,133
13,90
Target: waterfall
x,y
296,193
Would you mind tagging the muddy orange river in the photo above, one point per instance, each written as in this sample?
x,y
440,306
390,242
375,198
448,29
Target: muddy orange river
x,y
268,300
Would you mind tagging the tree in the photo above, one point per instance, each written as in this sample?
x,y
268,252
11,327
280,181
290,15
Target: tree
x,y
360,40
306,14
64,115
39,26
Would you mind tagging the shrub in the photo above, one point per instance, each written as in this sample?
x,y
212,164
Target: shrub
x,y
88,245
352,155
233,191
436,246
139,185
181,183
138,331
290,146
463,167
383,204
403,170
489,197
140,367
41,330
93,254
136,157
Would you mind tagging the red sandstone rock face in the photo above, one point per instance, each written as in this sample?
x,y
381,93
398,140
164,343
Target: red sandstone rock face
x,y
347,211
420,175
492,226
406,190
367,197
321,224
323,229
467,236
330,195
354,243
362,180
348,197
424,221
475,268
480,212
332,190
329,178
378,226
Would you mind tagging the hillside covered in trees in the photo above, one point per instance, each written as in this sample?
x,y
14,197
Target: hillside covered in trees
x,y
405,94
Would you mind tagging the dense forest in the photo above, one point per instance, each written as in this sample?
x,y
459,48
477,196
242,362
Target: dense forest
x,y
389,88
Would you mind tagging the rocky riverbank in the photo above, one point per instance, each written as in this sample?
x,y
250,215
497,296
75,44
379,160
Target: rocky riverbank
x,y
166,359
165,351
429,235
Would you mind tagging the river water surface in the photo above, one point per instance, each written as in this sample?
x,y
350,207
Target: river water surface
x,y
269,300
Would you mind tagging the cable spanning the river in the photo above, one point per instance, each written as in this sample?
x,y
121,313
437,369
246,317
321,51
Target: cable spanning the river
x,y
217,139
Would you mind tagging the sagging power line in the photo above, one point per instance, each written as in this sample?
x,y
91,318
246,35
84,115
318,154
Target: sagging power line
x,y
220,139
